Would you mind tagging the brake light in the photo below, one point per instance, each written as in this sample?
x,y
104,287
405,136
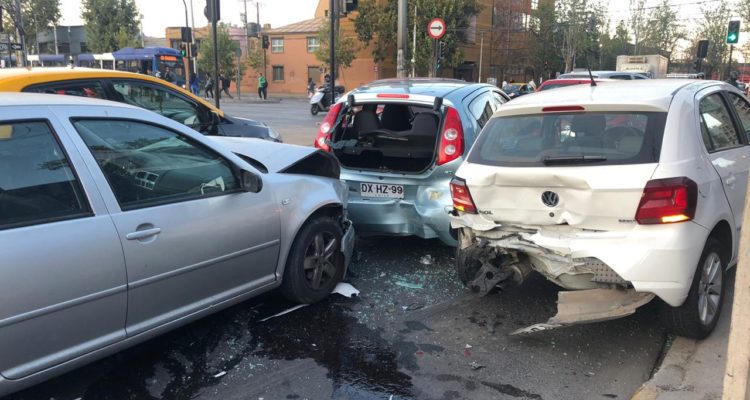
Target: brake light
x,y
452,138
462,200
325,128
392,96
563,109
666,201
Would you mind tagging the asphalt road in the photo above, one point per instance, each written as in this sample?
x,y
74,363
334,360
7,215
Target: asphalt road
x,y
412,333
291,118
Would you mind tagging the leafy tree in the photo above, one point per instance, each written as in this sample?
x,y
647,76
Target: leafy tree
x,y
227,53
572,23
345,47
255,55
377,22
546,57
663,30
638,22
614,46
745,13
713,27
110,24
36,15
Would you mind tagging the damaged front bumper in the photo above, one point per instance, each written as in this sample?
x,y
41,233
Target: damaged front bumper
x,y
612,272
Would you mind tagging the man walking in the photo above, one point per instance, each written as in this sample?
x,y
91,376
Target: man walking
x,y
225,83
209,88
262,87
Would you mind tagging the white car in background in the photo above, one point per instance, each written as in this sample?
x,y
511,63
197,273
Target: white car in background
x,y
619,193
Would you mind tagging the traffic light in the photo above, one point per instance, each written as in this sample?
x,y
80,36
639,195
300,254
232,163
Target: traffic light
x,y
697,65
702,48
350,5
186,34
183,49
546,66
442,50
266,43
212,10
733,32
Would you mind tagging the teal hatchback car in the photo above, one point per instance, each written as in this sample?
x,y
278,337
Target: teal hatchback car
x,y
399,142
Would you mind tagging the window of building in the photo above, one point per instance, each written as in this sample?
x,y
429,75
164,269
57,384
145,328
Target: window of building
x,y
278,72
175,43
277,45
534,4
313,44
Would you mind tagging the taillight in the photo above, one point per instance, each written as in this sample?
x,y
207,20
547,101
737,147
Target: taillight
x,y
326,126
462,200
666,201
452,138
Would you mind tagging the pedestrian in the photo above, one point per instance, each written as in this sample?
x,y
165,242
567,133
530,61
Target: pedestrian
x,y
225,83
168,75
194,87
310,87
209,87
262,87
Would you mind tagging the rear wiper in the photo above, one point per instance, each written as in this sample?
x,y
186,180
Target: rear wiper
x,y
572,159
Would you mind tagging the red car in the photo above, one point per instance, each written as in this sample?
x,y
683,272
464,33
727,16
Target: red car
x,y
556,83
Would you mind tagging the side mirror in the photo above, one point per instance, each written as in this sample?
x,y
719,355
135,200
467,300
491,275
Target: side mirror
x,y
250,182
213,122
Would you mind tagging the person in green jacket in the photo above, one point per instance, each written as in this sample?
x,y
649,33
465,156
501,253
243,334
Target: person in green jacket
x,y
262,85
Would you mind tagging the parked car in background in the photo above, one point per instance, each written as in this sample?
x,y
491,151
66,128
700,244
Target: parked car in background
x,y
514,90
140,90
118,224
556,83
621,75
399,143
619,193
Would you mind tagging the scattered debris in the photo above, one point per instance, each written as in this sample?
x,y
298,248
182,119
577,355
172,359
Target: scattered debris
x,y
426,260
468,346
220,374
590,373
419,353
413,306
475,365
409,285
345,290
287,311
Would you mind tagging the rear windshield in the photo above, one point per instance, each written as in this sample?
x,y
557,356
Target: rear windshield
x,y
610,138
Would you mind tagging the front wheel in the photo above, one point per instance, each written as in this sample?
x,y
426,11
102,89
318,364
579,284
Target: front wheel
x,y
314,109
315,264
697,317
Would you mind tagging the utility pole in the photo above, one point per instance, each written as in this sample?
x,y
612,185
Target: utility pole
x,y
481,50
402,38
260,35
414,45
21,32
192,28
332,14
188,48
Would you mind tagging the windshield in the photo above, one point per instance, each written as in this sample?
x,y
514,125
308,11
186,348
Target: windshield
x,y
175,65
571,139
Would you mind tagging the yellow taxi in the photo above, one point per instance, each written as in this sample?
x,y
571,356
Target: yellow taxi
x,y
140,90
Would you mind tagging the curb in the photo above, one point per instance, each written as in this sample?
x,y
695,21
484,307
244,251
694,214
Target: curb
x,y
670,375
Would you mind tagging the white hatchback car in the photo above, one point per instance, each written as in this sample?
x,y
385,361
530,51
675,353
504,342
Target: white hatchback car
x,y
618,192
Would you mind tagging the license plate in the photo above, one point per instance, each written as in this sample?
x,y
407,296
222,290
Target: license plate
x,y
381,190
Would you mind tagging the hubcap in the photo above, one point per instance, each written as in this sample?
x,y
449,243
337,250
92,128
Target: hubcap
x,y
709,289
320,260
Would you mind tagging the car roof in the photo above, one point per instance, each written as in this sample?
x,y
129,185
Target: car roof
x,y
436,87
653,94
16,79
602,74
12,99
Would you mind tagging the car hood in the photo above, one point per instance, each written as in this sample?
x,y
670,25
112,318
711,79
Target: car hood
x,y
244,121
274,156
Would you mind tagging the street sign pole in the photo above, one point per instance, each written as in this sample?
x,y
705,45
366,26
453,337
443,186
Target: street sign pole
x,y
436,30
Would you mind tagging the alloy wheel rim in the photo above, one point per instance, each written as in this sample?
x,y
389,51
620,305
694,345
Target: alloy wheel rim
x,y
709,289
319,264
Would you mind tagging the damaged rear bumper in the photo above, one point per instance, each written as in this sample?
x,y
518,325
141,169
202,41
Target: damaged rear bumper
x,y
656,259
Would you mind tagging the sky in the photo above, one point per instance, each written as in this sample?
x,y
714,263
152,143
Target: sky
x,y
159,14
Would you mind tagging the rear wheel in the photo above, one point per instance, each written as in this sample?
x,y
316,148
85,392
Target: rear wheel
x,y
315,264
467,266
314,109
697,317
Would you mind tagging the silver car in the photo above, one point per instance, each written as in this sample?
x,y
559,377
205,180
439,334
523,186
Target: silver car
x,y
118,224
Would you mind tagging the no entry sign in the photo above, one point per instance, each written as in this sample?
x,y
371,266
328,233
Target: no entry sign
x,y
436,28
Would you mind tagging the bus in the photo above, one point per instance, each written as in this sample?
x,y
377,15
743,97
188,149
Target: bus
x,y
47,60
151,59
101,61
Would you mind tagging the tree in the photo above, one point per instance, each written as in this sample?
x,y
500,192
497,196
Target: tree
x,y
714,28
638,22
36,15
377,23
614,46
227,53
345,47
546,57
110,24
663,30
572,25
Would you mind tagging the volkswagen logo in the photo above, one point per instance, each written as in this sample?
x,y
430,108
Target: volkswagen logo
x,y
550,199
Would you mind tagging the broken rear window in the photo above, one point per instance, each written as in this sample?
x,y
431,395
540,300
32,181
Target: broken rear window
x,y
611,138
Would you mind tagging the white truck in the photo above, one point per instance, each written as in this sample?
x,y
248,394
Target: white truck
x,y
653,65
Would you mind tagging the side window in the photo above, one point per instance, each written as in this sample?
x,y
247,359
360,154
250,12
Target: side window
x,y
37,183
147,165
159,100
743,111
92,89
620,77
716,124
481,109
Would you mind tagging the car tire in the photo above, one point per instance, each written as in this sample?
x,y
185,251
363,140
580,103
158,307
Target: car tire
x,y
693,319
314,109
315,263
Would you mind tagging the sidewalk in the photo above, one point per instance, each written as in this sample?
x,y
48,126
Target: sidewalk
x,y
252,98
693,369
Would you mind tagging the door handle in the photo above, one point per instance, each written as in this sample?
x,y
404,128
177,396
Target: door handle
x,y
138,235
